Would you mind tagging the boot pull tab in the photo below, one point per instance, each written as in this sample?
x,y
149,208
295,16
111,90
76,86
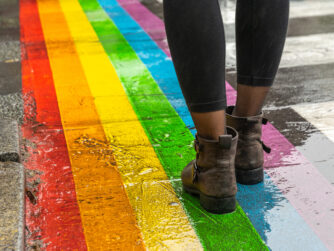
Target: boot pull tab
x,y
252,120
265,148
225,141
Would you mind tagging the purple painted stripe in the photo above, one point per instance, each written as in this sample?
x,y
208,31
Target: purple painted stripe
x,y
301,183
152,24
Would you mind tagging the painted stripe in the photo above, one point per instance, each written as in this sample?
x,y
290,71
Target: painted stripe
x,y
107,216
311,8
298,9
299,51
306,139
280,144
321,115
169,136
55,219
160,215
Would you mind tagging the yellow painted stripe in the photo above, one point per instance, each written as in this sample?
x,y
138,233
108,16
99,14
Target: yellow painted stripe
x,y
108,218
160,215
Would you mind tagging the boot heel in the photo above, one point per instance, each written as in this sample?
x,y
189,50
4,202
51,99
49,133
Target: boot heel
x,y
218,205
249,177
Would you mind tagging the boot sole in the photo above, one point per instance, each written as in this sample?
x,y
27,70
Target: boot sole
x,y
212,204
249,177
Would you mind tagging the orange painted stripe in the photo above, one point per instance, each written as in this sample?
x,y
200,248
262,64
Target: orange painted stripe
x,y
108,219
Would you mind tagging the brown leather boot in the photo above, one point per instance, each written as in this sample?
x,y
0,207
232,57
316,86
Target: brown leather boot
x,y
211,175
249,157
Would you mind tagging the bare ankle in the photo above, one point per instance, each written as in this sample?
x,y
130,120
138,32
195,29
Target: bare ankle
x,y
210,125
250,100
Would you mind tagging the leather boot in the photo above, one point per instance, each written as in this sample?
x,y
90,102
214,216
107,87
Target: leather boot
x,y
249,156
211,175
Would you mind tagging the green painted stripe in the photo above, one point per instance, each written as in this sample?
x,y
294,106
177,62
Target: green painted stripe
x,y
169,136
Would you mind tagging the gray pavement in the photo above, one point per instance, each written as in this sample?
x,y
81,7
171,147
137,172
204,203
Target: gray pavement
x,y
9,143
12,182
12,178
11,105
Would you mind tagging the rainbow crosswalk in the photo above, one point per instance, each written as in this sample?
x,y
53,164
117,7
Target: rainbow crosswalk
x,y
112,134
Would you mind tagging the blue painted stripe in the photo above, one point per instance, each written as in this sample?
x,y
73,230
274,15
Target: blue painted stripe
x,y
272,215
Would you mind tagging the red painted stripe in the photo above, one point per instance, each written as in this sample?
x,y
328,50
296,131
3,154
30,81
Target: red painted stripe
x,y
54,222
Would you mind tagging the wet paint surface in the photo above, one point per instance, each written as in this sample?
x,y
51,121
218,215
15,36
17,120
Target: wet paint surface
x,y
126,147
173,143
159,214
108,219
52,216
168,83
306,138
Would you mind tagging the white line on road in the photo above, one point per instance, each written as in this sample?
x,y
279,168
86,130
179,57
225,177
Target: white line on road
x,y
318,146
298,9
321,115
298,51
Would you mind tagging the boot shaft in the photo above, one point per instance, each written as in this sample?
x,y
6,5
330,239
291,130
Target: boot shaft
x,y
249,157
216,153
248,128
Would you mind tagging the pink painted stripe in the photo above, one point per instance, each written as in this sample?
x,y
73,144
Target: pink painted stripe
x,y
301,183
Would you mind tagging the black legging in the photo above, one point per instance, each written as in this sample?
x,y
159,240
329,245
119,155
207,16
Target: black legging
x,y
196,39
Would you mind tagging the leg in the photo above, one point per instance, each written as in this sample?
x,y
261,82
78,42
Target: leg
x,y
209,124
261,27
196,39
250,100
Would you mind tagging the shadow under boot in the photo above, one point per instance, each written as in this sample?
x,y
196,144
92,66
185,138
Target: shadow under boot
x,y
249,156
212,175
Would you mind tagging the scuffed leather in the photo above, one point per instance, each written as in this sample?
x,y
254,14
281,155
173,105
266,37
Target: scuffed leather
x,y
217,174
249,154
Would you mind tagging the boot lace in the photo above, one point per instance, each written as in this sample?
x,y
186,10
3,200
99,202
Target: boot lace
x,y
196,169
196,172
